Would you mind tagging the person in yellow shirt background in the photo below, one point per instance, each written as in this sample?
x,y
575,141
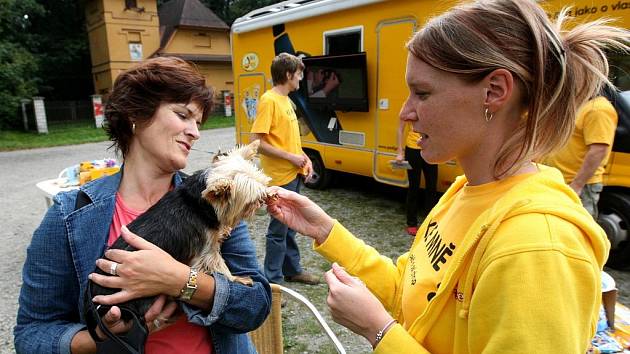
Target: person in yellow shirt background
x,y
282,159
411,153
583,158
508,261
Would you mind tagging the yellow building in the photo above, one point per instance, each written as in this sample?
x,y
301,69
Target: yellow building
x,y
122,32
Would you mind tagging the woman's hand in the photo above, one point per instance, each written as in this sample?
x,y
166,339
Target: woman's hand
x,y
113,321
161,314
299,213
149,271
353,306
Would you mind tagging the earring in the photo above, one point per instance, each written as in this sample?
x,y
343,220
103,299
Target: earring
x,y
488,115
133,127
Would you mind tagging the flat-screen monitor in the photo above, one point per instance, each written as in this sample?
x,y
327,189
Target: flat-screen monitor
x,y
337,82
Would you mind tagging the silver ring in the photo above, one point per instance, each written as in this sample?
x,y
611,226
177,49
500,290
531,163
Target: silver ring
x,y
156,323
112,268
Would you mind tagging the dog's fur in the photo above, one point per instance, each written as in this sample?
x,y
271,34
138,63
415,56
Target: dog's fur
x,y
191,221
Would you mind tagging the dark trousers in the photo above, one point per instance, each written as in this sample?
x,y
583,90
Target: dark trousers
x,y
430,181
282,256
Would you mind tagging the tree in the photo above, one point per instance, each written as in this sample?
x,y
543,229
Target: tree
x,y
62,51
18,66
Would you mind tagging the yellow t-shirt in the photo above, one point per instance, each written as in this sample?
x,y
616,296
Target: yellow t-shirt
x,y
595,123
440,239
276,117
412,138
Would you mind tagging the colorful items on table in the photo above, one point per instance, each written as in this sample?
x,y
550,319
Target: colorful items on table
x,y
87,171
615,340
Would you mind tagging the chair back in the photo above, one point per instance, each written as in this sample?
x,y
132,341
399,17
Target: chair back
x,y
268,337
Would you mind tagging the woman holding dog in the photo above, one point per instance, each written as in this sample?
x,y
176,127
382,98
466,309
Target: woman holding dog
x,y
153,116
508,261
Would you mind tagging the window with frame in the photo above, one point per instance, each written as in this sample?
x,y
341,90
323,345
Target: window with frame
x,y
131,4
343,41
202,39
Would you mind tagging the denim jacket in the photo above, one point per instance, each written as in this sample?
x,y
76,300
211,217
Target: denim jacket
x,y
64,249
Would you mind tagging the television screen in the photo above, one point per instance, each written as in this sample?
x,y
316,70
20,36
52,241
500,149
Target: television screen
x,y
338,82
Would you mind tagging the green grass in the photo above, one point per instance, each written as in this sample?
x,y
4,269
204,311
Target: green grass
x,y
76,133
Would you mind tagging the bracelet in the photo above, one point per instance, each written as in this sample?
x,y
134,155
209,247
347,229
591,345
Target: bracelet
x,y
381,333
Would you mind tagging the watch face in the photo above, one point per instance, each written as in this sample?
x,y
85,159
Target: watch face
x,y
187,293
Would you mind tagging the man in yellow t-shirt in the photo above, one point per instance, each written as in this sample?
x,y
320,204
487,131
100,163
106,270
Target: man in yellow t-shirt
x,y
283,160
583,158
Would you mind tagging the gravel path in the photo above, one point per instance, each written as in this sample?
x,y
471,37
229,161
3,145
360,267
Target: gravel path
x,y
372,211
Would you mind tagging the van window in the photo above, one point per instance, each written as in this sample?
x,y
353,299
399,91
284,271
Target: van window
x,y
343,41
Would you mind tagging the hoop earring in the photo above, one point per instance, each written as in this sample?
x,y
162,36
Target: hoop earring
x,y
133,128
488,115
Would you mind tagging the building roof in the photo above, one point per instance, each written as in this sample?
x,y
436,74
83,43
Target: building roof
x,y
186,13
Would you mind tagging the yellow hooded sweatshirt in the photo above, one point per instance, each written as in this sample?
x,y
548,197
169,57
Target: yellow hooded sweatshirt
x,y
525,277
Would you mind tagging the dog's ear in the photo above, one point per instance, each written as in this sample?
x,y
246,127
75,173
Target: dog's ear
x,y
218,156
219,190
250,151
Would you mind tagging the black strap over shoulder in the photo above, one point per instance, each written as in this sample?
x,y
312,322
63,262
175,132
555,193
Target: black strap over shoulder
x,y
131,342
82,200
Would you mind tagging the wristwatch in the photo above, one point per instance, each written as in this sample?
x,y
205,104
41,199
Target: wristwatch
x,y
191,286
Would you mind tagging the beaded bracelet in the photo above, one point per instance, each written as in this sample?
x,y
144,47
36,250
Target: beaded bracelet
x,y
381,333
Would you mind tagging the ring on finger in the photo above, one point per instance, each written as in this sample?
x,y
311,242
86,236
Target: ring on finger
x,y
112,268
156,323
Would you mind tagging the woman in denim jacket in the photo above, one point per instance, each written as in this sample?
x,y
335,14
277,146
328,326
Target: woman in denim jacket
x,y
153,115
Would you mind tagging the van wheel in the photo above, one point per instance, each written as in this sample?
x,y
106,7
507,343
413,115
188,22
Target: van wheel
x,y
321,175
614,218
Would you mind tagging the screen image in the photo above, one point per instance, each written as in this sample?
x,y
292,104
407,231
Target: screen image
x,y
336,82
342,82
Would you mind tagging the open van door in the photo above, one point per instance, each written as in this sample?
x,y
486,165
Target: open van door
x,y
391,63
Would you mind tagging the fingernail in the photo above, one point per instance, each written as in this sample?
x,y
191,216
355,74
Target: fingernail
x,y
90,276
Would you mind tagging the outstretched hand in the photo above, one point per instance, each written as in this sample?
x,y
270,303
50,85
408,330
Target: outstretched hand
x,y
299,213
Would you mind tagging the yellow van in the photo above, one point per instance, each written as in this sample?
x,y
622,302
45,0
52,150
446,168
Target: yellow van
x,y
361,43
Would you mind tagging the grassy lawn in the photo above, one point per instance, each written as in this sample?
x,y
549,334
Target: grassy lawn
x,y
76,133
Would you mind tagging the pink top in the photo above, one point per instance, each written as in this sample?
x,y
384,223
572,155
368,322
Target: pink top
x,y
180,337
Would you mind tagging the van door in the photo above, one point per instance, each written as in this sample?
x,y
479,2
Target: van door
x,y
391,94
250,87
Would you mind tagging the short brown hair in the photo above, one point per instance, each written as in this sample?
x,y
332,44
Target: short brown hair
x,y
139,91
282,64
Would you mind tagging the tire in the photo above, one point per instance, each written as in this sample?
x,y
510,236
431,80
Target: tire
x,y
321,175
614,218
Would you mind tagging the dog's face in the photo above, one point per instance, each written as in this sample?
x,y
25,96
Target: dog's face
x,y
235,186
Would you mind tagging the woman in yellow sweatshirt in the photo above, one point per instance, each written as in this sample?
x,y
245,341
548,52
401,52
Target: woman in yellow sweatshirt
x,y
508,261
